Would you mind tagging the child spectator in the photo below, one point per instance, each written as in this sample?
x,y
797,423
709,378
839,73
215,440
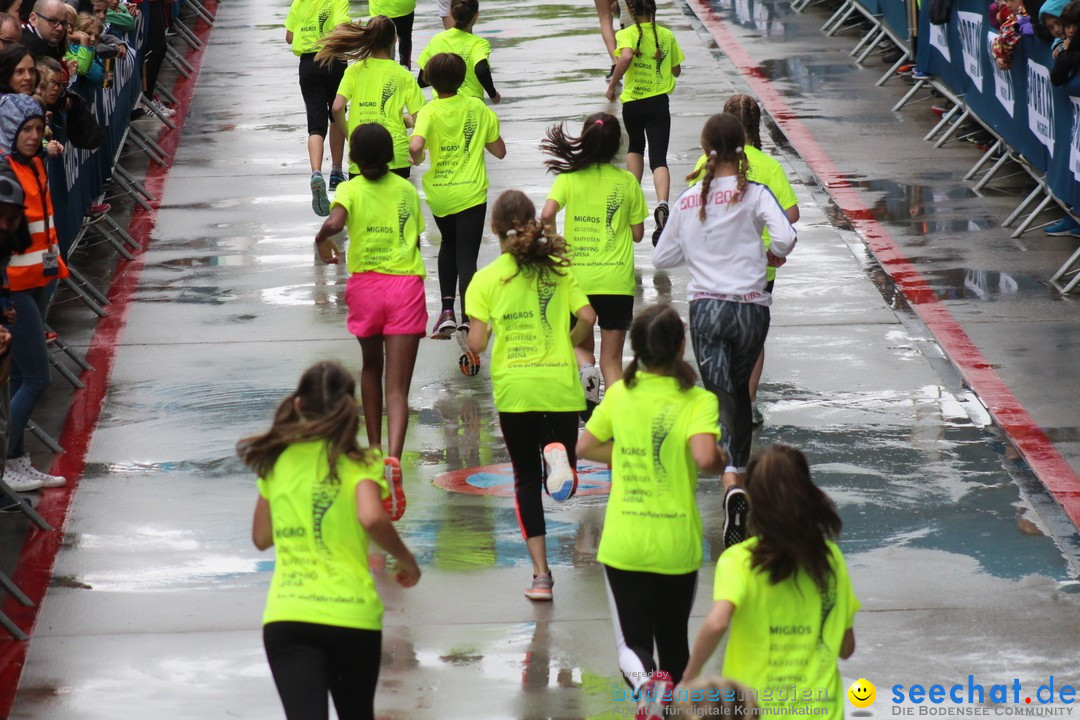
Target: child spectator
x,y
655,428
605,217
457,129
1012,22
374,89
650,59
319,504
385,294
788,581
1067,61
90,30
526,298
474,50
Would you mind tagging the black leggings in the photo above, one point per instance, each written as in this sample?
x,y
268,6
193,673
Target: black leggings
x,y
155,44
461,236
728,337
647,609
649,118
308,660
403,25
319,86
526,434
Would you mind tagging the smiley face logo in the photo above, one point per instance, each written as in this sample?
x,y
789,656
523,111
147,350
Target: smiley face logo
x,y
862,693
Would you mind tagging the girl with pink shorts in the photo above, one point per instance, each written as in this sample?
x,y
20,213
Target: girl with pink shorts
x,y
385,293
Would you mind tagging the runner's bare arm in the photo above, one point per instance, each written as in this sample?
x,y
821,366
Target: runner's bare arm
x,y
416,149
497,147
583,328
712,631
847,646
370,513
607,25
478,335
621,66
549,213
338,109
324,240
288,37
638,231
262,527
709,456
590,448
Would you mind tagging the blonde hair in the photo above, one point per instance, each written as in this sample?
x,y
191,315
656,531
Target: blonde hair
x,y
87,23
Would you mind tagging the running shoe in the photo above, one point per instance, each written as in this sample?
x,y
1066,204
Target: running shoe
x,y
336,178
445,326
51,337
395,504
320,203
561,481
755,414
19,480
918,74
590,380
540,590
468,361
736,511
22,465
654,696
162,108
1062,227
660,215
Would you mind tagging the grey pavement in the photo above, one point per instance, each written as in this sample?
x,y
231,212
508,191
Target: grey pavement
x,y
962,561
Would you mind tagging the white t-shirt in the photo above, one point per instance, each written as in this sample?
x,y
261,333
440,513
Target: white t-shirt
x,y
725,253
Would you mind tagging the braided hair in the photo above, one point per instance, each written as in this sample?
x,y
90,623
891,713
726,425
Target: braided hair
x,y
747,110
644,8
722,139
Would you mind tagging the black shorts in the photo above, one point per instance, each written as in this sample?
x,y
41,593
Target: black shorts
x,y
648,119
769,286
319,86
613,312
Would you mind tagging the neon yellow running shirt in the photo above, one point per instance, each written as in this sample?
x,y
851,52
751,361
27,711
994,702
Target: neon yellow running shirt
x,y
391,8
378,90
456,130
764,169
309,20
652,522
385,222
470,48
786,634
533,367
321,572
601,204
648,76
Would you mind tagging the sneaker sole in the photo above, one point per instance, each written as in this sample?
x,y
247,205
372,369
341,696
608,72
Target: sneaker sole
x,y
559,469
468,361
395,504
539,596
320,203
736,508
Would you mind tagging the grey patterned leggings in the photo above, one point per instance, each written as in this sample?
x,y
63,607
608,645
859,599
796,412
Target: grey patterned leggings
x,y
728,337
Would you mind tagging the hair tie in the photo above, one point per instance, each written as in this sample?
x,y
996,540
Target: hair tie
x,y
712,153
542,240
738,150
511,233
599,123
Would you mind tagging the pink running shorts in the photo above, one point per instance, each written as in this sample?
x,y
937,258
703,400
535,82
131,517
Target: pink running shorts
x,y
386,305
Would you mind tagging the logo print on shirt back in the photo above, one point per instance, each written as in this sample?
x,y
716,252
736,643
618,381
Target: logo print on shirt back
x,y
323,495
388,89
614,202
324,15
661,426
545,290
470,129
403,216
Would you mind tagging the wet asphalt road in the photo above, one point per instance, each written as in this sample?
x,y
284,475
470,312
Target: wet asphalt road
x,y
961,561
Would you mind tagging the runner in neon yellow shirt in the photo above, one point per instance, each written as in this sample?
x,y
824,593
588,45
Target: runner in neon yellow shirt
x,y
402,13
766,170
526,298
457,130
474,50
785,594
650,59
307,22
385,294
605,216
374,88
319,503
655,428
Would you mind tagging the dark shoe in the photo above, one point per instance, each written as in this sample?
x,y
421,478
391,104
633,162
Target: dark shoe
x,y
660,215
736,511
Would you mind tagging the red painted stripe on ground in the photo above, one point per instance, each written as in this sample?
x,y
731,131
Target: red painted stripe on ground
x,y
1024,434
38,557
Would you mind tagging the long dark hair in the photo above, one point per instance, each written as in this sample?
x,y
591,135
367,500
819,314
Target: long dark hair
x,y
463,12
722,139
644,8
10,57
536,251
372,150
327,411
656,337
791,517
599,142
357,41
747,110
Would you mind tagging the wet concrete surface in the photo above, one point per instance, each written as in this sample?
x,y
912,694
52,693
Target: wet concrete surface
x,y
962,561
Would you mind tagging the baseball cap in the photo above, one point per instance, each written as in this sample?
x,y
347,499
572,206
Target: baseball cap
x,y
11,192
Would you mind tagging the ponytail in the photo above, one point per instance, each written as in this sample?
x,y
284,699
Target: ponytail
x,y
464,12
356,41
656,337
722,139
644,8
534,248
371,148
598,143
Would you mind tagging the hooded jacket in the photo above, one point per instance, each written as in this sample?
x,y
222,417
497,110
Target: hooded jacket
x,y
40,263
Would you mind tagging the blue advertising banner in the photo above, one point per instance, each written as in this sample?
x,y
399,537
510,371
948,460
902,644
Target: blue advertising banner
x,y
78,177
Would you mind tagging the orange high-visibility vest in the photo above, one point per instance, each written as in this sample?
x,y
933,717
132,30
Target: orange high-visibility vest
x,y
26,270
